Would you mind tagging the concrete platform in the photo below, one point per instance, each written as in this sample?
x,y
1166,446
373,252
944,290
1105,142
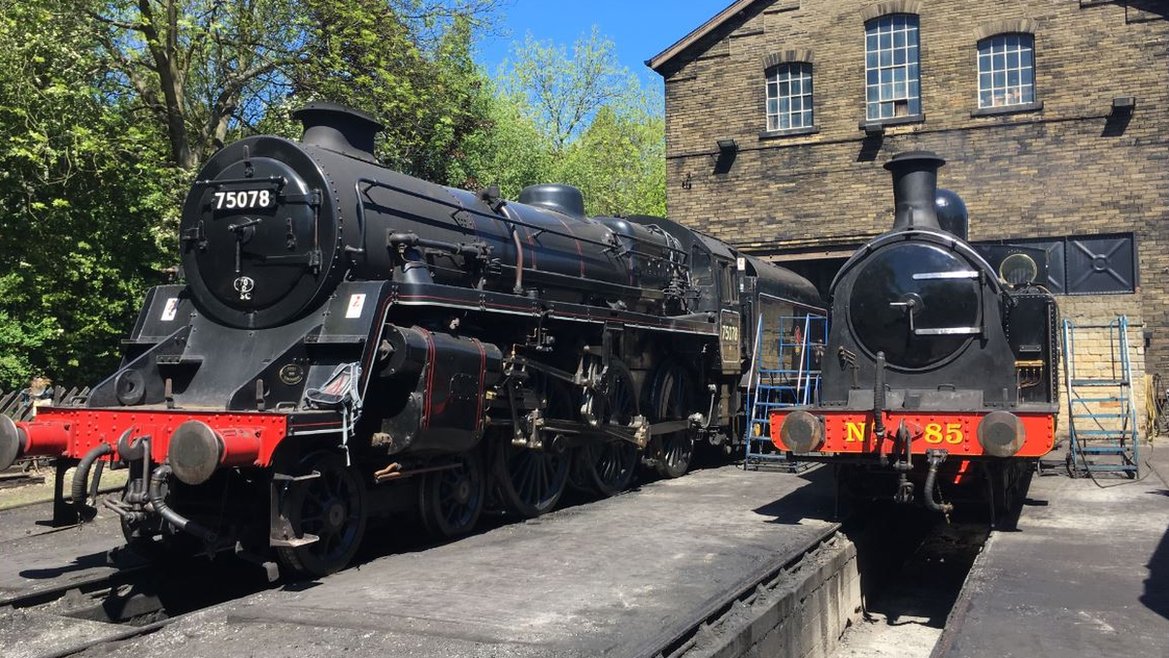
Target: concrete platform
x,y
1087,574
627,576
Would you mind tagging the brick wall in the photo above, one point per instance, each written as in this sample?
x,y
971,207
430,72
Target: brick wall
x,y
1064,169
1094,351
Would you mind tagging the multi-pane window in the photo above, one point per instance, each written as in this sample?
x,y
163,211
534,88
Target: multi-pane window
x,y
892,69
1006,70
789,96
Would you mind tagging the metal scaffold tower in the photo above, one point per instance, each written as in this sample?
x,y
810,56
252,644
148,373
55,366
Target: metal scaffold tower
x,y
785,372
1102,421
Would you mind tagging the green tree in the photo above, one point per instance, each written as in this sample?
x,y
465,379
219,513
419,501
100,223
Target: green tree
x,y
565,92
197,68
81,194
619,163
420,82
205,70
508,149
598,129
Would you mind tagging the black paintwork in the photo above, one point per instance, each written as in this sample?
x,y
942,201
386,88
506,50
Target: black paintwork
x,y
335,213
347,255
461,312
888,280
953,335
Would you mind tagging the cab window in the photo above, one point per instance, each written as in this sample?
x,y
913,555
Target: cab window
x,y
727,282
702,277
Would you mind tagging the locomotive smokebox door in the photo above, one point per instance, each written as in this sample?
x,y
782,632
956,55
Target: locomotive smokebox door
x,y
259,239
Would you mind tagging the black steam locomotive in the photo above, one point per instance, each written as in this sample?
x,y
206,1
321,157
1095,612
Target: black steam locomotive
x,y
354,341
936,358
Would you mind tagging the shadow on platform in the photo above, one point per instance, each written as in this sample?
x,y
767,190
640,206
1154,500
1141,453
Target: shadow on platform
x,y
815,501
1156,594
80,563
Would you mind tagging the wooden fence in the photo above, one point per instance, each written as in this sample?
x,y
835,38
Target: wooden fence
x,y
12,405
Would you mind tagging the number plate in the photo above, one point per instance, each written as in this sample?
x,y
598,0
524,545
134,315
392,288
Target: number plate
x,y
243,199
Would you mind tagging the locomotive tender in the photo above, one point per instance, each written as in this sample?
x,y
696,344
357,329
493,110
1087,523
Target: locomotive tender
x,y
353,341
934,360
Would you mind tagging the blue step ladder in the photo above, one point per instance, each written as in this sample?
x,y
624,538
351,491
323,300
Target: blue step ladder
x,y
784,373
1103,436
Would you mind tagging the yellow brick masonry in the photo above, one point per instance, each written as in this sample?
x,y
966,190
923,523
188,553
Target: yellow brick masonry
x,y
1096,357
1057,171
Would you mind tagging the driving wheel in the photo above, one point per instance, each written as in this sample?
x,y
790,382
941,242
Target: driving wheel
x,y
605,465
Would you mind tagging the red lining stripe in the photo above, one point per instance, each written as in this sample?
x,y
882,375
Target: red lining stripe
x,y
579,254
482,376
429,392
532,244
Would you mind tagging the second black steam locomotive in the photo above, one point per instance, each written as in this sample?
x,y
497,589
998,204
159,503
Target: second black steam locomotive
x,y
937,366
354,341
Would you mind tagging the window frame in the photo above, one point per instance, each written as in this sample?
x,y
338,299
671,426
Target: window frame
x,y
1023,65
801,73
890,37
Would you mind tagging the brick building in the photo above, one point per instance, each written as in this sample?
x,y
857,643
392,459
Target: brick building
x,y
1053,116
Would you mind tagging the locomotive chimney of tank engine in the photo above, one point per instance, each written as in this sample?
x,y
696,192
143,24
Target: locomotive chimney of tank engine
x,y
915,184
339,128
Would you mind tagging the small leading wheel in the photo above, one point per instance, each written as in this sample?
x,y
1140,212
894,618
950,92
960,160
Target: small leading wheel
x,y
606,466
330,506
531,481
672,399
452,499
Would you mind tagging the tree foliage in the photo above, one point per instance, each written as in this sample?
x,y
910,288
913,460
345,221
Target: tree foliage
x,y
419,82
565,92
620,164
584,120
195,65
508,150
203,69
107,107
81,193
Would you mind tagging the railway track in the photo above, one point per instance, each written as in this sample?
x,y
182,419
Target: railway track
x,y
117,606
107,607
86,587
20,479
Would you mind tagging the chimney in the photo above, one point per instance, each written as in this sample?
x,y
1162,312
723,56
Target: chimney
x,y
915,185
338,128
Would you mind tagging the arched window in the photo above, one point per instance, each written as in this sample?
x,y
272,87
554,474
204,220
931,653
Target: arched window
x,y
892,68
789,96
1006,70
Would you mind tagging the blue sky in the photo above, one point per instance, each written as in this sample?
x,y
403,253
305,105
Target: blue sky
x,y
639,28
